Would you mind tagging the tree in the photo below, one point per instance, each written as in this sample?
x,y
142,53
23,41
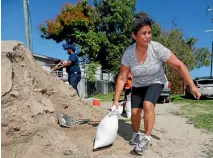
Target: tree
x,y
115,20
104,32
202,55
186,51
76,24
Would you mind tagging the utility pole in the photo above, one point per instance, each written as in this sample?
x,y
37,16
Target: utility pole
x,y
211,76
27,24
208,10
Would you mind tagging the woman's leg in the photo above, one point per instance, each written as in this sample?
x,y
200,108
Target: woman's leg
x,y
136,104
136,119
150,99
149,117
152,94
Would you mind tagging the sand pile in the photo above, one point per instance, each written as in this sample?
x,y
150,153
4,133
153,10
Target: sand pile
x,y
29,98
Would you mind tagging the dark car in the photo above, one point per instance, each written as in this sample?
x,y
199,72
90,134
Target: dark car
x,y
165,95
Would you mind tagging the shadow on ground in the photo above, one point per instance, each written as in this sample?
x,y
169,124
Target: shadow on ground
x,y
127,133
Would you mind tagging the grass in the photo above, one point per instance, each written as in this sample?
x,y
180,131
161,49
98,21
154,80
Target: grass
x,y
107,97
181,98
104,97
199,112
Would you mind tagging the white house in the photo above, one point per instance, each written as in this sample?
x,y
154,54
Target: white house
x,y
104,83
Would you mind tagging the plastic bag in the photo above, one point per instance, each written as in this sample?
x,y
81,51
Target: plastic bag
x,y
107,129
128,106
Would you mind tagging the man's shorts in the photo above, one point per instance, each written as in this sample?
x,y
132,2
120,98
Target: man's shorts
x,y
149,93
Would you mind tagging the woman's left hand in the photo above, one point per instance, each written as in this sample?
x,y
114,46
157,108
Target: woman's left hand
x,y
195,92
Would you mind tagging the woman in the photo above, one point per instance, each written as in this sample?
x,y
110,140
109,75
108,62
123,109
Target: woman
x,y
128,88
128,85
145,61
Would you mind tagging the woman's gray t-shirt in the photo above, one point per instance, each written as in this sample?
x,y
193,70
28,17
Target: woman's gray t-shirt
x,y
151,71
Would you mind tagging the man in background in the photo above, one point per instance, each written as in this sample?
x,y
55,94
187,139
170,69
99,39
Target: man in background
x,y
72,68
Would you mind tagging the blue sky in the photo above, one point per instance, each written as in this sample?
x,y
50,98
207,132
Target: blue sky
x,y
189,15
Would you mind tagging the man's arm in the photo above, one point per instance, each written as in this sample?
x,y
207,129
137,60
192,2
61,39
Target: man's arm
x,y
63,65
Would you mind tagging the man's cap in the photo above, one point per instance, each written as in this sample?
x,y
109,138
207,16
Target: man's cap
x,y
72,47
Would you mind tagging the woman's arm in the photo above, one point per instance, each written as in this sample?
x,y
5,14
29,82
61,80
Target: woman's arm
x,y
121,80
174,62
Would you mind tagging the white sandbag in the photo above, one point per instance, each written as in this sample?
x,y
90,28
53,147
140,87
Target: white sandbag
x,y
118,110
107,129
128,106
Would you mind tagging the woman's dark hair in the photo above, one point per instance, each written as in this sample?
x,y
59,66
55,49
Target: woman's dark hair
x,y
140,20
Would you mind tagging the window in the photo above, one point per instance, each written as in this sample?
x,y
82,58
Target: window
x,y
205,82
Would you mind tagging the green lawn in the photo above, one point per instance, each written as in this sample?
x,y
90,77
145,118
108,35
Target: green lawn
x,y
200,112
108,97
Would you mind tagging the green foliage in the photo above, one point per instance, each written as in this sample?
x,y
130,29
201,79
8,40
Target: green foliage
x,y
91,70
203,57
176,98
182,99
108,97
156,31
203,121
174,40
191,56
76,24
105,97
71,19
104,32
115,20
91,42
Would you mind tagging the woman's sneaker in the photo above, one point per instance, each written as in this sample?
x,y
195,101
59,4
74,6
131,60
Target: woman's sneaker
x,y
142,146
135,139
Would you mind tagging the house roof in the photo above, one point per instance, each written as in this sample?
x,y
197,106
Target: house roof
x,y
45,57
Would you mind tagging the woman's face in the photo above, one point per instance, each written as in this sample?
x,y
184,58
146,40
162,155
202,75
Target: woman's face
x,y
143,36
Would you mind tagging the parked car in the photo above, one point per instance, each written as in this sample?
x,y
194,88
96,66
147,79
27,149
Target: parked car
x,y
205,86
165,95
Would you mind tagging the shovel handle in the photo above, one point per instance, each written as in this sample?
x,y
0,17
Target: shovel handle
x,y
82,121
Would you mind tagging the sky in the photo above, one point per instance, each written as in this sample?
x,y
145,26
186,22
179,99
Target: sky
x,y
189,15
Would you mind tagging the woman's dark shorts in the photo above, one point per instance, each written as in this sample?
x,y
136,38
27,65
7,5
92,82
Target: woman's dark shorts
x,y
149,93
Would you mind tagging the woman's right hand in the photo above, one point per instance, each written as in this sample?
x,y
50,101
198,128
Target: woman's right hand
x,y
116,103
